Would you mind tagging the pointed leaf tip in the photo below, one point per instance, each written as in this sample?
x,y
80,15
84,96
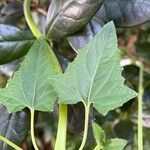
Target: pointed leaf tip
x,y
95,75
29,86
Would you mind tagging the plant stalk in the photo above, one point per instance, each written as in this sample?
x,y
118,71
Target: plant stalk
x,y
10,143
140,109
32,129
86,124
29,19
62,128
62,124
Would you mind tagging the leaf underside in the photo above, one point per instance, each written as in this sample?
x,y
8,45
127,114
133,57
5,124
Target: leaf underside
x,y
95,75
30,87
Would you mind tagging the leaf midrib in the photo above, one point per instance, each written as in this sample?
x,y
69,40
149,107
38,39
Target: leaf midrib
x,y
58,14
36,72
92,81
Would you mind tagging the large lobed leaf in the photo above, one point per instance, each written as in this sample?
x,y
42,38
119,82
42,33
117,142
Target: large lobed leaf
x,y
13,126
14,43
65,17
95,75
30,87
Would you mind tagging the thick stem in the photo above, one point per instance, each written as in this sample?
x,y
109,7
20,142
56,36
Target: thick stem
x,y
27,12
140,110
32,129
62,125
86,125
62,128
10,143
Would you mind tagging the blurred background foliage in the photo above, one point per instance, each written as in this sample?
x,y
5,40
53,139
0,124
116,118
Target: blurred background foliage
x,y
134,45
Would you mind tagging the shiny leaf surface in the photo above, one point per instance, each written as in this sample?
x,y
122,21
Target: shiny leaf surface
x,y
66,17
81,38
14,43
125,13
13,126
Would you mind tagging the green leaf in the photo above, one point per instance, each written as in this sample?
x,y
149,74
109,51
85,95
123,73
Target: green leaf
x,y
66,17
14,43
99,134
95,75
115,144
30,87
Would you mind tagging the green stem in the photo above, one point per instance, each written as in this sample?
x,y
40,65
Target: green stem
x,y
27,12
140,110
32,129
62,125
10,143
62,128
86,123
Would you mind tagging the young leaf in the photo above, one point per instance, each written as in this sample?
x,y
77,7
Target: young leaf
x,y
13,126
95,75
14,43
115,144
66,17
125,13
98,134
29,87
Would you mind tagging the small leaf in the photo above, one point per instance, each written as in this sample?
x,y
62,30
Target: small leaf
x,y
14,43
95,75
13,126
115,144
125,13
66,17
29,87
98,134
